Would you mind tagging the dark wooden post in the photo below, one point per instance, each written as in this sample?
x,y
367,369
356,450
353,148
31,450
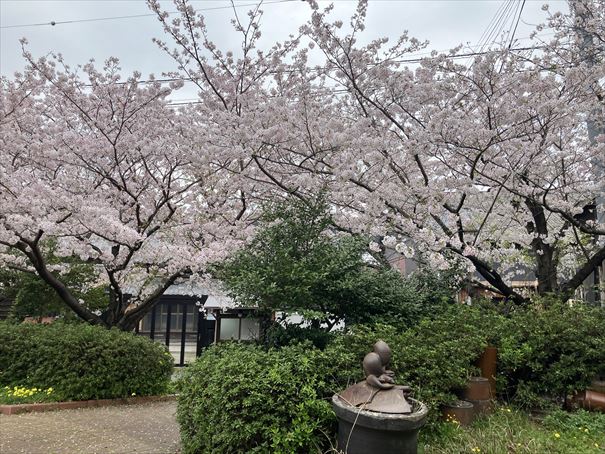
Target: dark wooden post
x,y
183,334
168,317
152,329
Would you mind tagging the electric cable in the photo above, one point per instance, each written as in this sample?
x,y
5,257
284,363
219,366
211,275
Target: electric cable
x,y
512,37
133,16
281,71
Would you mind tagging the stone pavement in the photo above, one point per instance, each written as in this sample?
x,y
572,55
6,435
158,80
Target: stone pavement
x,y
148,428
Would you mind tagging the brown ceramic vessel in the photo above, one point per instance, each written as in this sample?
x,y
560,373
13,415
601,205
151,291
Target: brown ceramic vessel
x,y
487,362
461,411
477,388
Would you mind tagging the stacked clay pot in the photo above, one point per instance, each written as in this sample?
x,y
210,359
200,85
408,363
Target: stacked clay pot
x,y
478,392
593,399
487,362
461,412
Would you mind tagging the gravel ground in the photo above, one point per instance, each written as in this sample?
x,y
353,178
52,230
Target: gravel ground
x,y
145,429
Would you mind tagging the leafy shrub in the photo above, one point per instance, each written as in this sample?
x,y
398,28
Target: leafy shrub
x,y
296,263
550,349
241,398
82,362
435,357
278,335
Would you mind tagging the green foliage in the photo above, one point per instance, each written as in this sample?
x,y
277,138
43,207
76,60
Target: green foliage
x,y
511,431
435,357
579,421
297,264
242,398
239,398
279,335
82,362
22,395
550,349
32,297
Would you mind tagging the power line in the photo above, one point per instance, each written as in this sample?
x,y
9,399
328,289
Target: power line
x,y
500,20
494,28
134,16
281,71
512,37
328,91
491,24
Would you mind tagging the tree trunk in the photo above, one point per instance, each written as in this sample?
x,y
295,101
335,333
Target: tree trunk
x,y
544,254
546,267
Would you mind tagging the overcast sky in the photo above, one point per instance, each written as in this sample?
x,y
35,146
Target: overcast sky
x,y
445,23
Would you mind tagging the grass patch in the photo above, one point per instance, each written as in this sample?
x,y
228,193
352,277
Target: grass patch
x,y
509,431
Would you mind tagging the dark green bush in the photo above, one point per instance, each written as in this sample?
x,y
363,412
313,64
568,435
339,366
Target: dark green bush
x,y
278,335
239,398
296,263
550,349
82,362
242,398
435,357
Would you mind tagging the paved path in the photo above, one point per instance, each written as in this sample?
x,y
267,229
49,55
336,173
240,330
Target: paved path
x,y
149,428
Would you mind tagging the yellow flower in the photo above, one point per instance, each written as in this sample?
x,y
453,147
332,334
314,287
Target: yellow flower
x,y
596,445
133,394
508,410
557,435
586,430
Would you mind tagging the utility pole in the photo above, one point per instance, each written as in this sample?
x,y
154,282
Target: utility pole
x,y
595,125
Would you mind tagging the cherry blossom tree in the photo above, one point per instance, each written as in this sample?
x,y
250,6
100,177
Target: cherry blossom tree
x,y
109,173
237,91
490,162
493,163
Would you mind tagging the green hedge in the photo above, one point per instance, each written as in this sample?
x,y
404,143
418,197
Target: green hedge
x,y
239,398
549,350
82,362
242,398
434,357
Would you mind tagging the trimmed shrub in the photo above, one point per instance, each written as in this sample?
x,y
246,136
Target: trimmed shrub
x,y
550,349
435,357
278,336
241,398
82,362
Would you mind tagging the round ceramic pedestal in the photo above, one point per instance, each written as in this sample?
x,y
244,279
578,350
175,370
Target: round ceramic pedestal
x,y
370,432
